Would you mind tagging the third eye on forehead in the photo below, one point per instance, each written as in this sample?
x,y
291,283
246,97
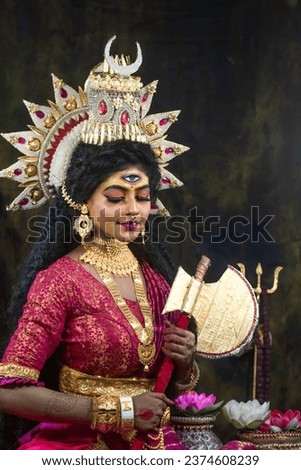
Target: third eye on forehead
x,y
131,178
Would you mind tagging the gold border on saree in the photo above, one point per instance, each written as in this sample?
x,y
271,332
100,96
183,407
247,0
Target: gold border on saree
x,y
21,372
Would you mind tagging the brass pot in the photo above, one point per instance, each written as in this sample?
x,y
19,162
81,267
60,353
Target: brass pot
x,y
272,440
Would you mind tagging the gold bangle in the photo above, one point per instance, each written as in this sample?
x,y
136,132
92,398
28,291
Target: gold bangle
x,y
118,412
94,412
104,413
194,378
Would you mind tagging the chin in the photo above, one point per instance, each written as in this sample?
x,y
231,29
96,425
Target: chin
x,y
127,237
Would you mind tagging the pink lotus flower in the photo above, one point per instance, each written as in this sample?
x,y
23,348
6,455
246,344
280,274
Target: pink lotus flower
x,y
279,422
193,404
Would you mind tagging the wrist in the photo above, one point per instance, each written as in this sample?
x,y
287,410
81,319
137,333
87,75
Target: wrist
x,y
182,373
191,381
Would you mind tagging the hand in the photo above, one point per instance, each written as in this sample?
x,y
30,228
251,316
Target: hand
x,y
179,345
149,408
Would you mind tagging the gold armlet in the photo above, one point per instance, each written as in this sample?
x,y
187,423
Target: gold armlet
x,y
194,378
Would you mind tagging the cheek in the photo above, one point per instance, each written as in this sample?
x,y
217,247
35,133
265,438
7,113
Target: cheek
x,y
99,208
105,214
145,210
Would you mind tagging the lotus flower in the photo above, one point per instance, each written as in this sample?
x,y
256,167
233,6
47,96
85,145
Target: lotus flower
x,y
248,414
279,422
192,404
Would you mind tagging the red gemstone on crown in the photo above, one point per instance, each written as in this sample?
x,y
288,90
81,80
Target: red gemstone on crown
x,y
163,122
165,180
24,201
21,140
40,114
169,150
63,93
144,98
102,108
125,118
18,171
154,207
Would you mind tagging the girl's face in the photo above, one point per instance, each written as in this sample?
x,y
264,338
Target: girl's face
x,y
120,206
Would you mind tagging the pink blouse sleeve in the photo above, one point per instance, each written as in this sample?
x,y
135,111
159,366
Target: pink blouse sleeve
x,y
39,329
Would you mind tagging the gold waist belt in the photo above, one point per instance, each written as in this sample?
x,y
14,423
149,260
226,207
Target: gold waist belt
x,y
73,381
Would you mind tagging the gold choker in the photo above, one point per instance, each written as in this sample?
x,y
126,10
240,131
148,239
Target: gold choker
x,y
111,256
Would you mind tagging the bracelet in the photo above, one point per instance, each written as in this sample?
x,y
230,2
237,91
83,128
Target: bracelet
x,y
126,414
94,413
194,378
105,415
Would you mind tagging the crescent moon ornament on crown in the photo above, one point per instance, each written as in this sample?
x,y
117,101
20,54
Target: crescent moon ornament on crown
x,y
113,105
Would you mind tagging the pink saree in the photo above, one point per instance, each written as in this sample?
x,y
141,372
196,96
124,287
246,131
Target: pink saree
x,y
70,312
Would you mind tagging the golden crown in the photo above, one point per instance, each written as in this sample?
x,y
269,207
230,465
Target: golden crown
x,y
113,105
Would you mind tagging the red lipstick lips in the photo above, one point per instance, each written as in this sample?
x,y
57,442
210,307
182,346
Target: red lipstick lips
x,y
130,225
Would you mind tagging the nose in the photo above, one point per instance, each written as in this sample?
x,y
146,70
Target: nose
x,y
132,207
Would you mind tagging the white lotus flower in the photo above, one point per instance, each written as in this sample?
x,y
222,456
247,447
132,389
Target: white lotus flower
x,y
248,414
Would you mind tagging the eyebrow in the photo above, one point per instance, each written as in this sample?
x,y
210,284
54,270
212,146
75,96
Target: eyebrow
x,y
123,188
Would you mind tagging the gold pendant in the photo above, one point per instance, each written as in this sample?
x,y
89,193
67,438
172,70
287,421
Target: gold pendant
x,y
146,353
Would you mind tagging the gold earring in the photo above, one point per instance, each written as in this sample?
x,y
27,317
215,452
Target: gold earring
x,y
142,235
83,225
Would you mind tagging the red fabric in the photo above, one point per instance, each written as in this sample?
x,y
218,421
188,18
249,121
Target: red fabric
x,y
238,445
69,310
162,382
166,371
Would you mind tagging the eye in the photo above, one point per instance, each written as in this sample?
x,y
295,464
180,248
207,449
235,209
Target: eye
x,y
143,198
114,199
131,178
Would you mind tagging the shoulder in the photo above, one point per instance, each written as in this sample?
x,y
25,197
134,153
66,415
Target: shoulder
x,y
61,273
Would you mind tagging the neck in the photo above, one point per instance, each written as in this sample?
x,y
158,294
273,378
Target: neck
x,y
103,242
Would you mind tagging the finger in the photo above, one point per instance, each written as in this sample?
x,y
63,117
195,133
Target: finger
x,y
163,397
179,357
175,348
170,328
187,339
182,347
176,342
178,332
176,337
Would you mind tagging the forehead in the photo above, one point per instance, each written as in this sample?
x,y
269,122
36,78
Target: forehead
x,y
129,176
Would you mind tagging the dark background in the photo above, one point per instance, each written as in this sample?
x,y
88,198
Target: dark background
x,y
233,68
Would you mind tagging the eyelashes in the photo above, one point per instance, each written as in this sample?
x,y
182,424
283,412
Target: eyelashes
x,y
120,199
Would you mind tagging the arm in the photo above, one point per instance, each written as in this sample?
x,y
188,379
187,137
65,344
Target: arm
x,y
42,404
37,336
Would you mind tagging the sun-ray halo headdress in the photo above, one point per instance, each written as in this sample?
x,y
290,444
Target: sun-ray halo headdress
x,y
113,105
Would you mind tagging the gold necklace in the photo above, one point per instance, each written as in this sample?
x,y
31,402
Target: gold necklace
x,y
103,262
111,256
